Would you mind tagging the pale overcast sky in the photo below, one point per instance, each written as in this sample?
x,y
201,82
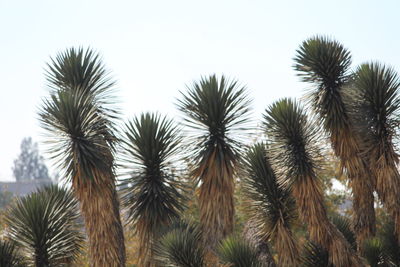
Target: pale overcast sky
x,y
154,48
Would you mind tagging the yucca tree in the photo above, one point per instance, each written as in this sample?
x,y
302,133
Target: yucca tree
x,y
9,255
374,253
181,246
294,141
237,252
384,250
154,196
273,208
316,256
251,234
375,102
217,111
79,120
45,226
325,64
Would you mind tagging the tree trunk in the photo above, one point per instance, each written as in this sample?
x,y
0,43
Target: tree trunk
x,y
100,208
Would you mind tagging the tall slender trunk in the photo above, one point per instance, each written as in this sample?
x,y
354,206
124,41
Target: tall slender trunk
x,y
100,208
362,183
388,184
309,198
41,258
216,200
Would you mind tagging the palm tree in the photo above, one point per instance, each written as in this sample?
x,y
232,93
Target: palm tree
x,y
45,226
217,111
325,63
237,252
154,196
9,255
375,103
273,208
181,246
295,154
79,119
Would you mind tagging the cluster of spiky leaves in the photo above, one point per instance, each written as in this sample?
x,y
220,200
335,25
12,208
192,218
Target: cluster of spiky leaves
x,y
375,103
45,225
153,195
273,208
316,256
294,142
295,153
181,246
9,255
217,111
238,253
325,63
79,118
345,227
383,250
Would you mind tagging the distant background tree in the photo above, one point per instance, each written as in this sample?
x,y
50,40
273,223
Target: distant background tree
x,y
30,164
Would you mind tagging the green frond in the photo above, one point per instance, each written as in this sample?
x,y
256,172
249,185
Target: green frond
x,y
78,117
217,110
390,242
343,224
238,252
293,139
376,103
182,246
271,203
9,255
45,225
217,116
325,63
374,253
153,193
153,196
315,256
80,69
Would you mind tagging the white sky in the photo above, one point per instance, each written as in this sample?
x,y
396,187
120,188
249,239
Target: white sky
x,y
154,48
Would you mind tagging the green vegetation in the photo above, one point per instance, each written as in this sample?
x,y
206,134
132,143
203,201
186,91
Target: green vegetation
x,y
206,192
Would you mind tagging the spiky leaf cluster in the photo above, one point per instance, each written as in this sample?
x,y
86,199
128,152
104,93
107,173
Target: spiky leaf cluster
x,y
45,225
238,253
9,255
78,116
153,196
325,63
373,98
181,246
343,224
315,256
294,141
217,111
272,204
